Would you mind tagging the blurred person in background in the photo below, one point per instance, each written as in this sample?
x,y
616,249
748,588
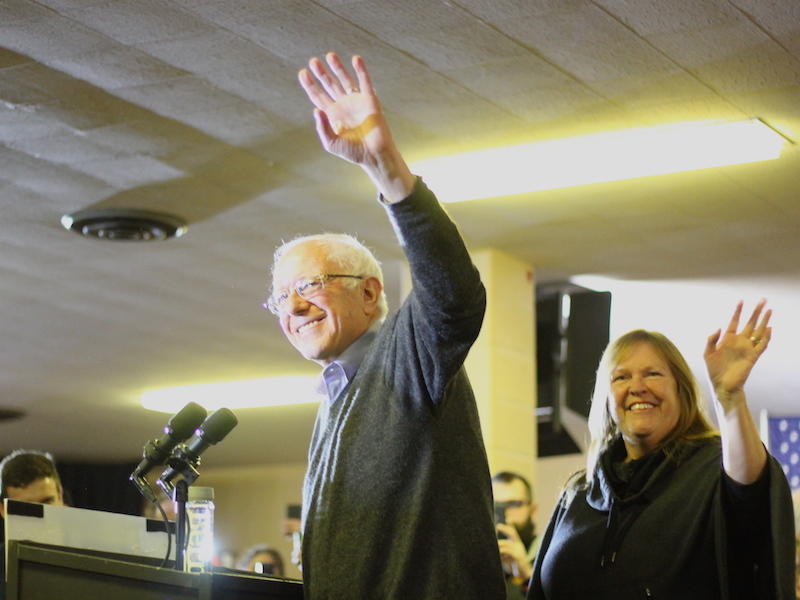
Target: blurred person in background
x,y
262,558
516,530
28,476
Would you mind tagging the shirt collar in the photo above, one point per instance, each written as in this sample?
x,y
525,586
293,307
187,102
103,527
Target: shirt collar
x,y
340,372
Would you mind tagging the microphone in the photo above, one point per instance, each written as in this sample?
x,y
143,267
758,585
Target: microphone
x,y
186,457
178,428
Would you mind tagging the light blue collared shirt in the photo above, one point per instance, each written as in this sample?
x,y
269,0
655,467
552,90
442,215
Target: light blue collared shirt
x,y
339,373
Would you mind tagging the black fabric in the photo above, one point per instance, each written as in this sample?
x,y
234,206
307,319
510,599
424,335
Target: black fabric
x,y
2,569
397,498
673,530
748,525
100,487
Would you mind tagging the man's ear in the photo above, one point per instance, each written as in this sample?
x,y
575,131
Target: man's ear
x,y
2,509
371,294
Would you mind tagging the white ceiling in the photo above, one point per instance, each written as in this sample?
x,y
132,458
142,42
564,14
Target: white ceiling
x,y
192,107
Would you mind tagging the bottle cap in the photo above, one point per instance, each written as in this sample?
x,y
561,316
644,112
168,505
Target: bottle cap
x,y
201,493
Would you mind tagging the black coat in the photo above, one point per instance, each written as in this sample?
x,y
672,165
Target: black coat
x,y
678,529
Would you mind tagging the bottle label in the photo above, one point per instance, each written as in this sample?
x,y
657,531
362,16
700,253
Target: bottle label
x,y
200,546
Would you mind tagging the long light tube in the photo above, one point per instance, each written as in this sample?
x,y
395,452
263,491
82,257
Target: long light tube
x,y
597,158
250,393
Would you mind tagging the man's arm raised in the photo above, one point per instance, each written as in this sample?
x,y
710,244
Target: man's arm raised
x,y
351,125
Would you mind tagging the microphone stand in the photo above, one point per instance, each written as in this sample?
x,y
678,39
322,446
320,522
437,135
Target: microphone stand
x,y
181,495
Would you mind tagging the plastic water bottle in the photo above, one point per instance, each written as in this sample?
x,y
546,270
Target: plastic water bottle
x,y
200,515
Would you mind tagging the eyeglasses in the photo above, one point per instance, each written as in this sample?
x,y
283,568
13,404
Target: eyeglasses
x,y
305,288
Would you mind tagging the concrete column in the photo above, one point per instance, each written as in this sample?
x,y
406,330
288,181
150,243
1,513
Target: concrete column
x,y
502,363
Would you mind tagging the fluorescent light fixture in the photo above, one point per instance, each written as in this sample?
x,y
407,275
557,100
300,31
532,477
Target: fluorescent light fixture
x,y
251,393
597,158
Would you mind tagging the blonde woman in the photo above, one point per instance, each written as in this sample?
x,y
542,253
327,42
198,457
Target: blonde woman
x,y
667,506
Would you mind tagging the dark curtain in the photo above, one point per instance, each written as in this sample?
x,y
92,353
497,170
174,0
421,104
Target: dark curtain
x,y
100,487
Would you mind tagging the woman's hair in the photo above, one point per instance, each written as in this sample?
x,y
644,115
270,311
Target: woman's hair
x,y
349,255
253,551
692,425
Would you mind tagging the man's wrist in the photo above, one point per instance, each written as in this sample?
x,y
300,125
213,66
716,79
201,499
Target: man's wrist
x,y
391,177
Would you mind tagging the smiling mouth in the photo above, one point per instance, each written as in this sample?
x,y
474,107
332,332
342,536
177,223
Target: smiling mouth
x,y
641,406
310,325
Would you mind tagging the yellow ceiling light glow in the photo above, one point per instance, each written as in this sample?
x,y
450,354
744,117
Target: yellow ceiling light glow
x,y
251,393
597,158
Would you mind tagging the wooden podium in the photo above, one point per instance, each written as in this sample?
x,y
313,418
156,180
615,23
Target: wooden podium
x,y
46,572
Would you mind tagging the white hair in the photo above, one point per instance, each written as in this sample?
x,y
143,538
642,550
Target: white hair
x,y
347,253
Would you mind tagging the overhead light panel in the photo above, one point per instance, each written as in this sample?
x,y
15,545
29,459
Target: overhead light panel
x,y
597,158
250,393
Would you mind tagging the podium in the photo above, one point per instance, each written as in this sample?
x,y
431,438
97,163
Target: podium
x,y
64,553
44,572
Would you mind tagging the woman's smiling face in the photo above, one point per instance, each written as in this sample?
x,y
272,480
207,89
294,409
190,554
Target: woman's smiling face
x,y
644,399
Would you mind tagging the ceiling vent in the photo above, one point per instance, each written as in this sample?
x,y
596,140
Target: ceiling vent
x,y
124,224
10,414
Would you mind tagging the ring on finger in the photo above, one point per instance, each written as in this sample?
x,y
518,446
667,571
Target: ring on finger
x,y
755,340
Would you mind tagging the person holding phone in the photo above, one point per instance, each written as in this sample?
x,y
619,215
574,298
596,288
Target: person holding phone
x,y
517,541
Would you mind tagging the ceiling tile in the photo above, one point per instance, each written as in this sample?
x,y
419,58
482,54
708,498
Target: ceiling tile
x,y
9,58
12,11
63,148
46,37
128,171
118,66
209,51
20,122
763,67
648,17
779,17
138,21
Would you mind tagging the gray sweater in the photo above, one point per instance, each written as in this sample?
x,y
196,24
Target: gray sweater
x,y
397,498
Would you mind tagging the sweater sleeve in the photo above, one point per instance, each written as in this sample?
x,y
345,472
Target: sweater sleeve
x,y
441,318
760,535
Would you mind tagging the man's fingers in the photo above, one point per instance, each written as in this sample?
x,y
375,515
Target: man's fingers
x,y
364,79
346,81
328,81
324,129
314,92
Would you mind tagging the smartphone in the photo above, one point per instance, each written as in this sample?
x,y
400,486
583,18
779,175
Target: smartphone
x,y
500,517
499,514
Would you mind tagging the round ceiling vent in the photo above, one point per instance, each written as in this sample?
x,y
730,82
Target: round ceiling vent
x,y
125,224
9,414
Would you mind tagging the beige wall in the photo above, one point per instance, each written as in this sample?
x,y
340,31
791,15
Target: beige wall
x,y
501,364
250,506
552,473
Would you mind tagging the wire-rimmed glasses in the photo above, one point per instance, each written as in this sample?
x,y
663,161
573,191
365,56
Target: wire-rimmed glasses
x,y
306,288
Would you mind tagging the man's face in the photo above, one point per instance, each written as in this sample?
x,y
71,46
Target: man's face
x,y
323,327
43,491
519,511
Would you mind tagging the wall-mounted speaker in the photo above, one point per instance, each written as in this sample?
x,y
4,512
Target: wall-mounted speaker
x,y
572,330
